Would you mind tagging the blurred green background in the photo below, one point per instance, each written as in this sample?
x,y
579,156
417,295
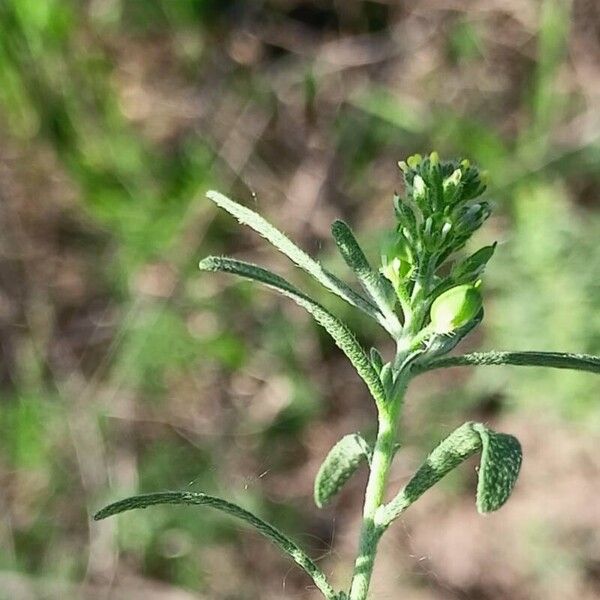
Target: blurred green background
x,y
122,369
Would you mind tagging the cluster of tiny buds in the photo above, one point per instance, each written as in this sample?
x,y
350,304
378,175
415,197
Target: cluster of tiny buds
x,y
439,212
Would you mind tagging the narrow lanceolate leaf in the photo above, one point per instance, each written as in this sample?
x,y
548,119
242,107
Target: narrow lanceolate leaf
x,y
470,269
374,284
557,360
339,465
267,530
500,464
376,359
255,221
386,376
342,336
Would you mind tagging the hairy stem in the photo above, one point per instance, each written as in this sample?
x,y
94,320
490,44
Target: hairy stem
x,y
380,466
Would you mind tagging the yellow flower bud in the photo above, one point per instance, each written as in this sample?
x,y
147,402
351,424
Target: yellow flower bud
x,y
414,161
392,270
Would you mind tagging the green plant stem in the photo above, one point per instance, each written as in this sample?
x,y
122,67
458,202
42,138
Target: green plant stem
x,y
405,304
380,466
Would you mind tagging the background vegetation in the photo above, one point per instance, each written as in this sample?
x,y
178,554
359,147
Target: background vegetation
x,y
122,369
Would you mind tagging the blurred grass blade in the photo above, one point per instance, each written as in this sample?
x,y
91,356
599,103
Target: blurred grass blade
x,y
248,217
343,337
198,499
375,285
500,464
556,360
339,465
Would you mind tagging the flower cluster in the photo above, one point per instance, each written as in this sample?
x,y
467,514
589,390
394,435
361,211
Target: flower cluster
x,y
439,212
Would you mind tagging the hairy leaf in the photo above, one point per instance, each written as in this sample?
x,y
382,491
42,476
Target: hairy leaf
x,y
339,465
376,359
377,286
248,217
386,375
267,530
501,457
470,269
557,360
342,336
405,215
500,464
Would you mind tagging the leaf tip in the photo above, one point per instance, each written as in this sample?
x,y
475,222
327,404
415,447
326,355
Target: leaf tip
x,y
338,226
339,465
208,263
319,502
101,514
500,466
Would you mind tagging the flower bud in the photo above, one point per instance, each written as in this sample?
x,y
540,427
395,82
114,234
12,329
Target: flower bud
x,y
472,217
392,270
446,228
453,179
405,216
451,186
403,166
396,259
395,245
455,308
414,161
419,190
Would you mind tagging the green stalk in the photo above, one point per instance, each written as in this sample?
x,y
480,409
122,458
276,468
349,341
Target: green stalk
x,y
370,534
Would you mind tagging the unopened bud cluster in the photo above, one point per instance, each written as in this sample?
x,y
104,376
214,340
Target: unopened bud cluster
x,y
438,213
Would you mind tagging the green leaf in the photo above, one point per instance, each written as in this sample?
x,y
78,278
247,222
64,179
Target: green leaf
x,y
255,221
470,269
342,336
339,465
376,359
199,499
557,360
405,215
386,375
374,284
500,464
501,458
